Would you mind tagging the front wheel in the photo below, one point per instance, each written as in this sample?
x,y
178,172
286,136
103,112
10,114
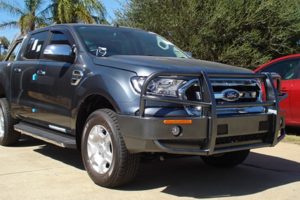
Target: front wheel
x,y
230,159
105,156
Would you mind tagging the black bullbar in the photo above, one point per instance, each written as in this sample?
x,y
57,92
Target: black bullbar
x,y
209,133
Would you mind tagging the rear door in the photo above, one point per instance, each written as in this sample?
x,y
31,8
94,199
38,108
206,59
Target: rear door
x,y
24,79
289,71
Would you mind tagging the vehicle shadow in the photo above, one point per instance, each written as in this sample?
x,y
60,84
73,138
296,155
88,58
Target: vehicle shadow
x,y
26,141
292,130
190,177
68,156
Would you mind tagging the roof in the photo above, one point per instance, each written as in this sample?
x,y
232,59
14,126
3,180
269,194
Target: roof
x,y
81,24
76,25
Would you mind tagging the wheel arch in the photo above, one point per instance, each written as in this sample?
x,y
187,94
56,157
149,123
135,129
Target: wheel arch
x,y
89,104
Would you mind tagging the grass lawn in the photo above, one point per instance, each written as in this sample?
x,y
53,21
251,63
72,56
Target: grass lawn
x,y
295,139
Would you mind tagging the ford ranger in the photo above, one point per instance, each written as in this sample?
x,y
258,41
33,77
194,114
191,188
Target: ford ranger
x,y
117,93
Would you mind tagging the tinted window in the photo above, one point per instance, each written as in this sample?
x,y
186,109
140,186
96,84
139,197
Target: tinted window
x,y
109,41
59,38
35,45
14,53
288,69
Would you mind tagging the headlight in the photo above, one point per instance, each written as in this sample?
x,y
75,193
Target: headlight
x,y
159,86
171,87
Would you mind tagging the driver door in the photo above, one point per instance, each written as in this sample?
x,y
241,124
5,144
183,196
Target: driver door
x,y
56,88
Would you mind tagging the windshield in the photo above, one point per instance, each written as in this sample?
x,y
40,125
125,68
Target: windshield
x,y
109,41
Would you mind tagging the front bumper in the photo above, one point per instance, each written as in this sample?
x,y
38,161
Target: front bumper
x,y
150,134
210,133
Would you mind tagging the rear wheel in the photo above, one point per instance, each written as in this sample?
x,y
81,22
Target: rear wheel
x,y
104,153
230,159
8,136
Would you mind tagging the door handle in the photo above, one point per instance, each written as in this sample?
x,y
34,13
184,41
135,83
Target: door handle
x,y
76,77
17,69
41,72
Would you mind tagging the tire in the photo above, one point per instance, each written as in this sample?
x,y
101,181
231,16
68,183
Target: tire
x,y
228,160
8,136
120,166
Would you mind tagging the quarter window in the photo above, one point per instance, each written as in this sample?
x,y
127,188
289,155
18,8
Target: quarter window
x,y
35,45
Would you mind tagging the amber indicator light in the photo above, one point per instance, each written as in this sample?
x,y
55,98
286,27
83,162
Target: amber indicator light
x,y
178,121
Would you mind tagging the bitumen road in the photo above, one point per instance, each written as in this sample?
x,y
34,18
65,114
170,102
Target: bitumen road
x,y
35,170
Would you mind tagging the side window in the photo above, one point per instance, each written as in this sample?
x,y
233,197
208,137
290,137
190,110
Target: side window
x,y
59,38
15,51
35,45
288,69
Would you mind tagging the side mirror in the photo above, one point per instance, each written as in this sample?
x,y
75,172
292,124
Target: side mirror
x,y
59,52
189,54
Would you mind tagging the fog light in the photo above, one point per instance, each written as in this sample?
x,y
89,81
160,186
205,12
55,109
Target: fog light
x,y
176,130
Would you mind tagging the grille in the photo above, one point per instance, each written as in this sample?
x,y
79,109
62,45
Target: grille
x,y
244,90
248,90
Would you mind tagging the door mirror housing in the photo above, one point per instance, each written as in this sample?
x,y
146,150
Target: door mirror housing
x,y
59,52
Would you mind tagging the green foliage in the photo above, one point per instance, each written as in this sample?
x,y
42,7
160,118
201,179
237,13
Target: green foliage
x,y
72,11
28,17
57,11
2,57
238,32
5,42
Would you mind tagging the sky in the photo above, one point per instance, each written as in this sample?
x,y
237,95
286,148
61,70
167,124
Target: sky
x,y
11,33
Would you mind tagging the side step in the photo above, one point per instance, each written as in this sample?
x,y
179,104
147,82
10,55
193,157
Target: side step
x,y
46,135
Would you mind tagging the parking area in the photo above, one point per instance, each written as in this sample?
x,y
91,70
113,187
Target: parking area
x,y
35,170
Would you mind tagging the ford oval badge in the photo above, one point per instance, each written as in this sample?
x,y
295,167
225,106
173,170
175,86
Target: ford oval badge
x,y
230,95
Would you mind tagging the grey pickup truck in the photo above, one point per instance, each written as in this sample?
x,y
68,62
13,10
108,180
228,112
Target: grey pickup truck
x,y
119,93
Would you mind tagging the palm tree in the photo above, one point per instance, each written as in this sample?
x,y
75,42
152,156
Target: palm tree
x,y
28,17
74,11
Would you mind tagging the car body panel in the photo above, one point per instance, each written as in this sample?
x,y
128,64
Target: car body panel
x,y
295,102
291,105
145,65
